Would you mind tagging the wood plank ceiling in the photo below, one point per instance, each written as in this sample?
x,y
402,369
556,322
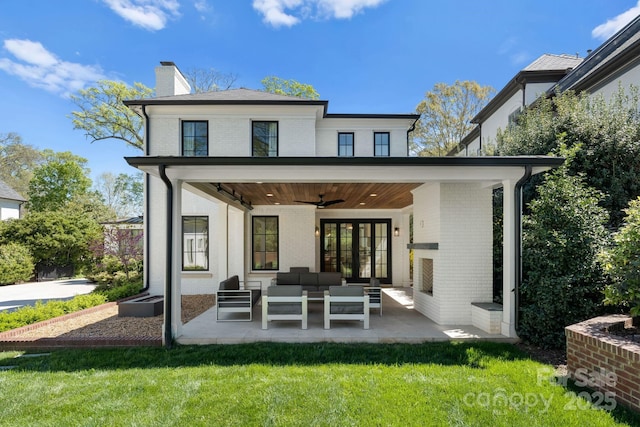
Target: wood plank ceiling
x,y
355,195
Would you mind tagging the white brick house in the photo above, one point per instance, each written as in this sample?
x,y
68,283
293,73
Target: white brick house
x,y
228,174
10,202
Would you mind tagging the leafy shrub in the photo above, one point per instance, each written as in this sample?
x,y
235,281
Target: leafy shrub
x,y
16,264
115,293
44,311
622,262
563,279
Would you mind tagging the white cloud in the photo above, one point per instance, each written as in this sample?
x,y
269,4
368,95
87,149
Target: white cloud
x,y
42,69
290,12
148,14
202,6
615,24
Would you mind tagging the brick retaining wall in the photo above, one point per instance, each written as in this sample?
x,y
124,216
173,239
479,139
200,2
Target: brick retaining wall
x,y
613,363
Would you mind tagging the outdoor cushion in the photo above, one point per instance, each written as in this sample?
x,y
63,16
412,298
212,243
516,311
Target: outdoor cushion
x,y
298,269
309,279
285,307
330,279
346,307
232,283
288,278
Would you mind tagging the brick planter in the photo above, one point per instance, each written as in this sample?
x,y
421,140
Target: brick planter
x,y
608,363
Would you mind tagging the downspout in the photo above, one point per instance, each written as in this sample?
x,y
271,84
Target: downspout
x,y
147,237
411,129
518,237
168,338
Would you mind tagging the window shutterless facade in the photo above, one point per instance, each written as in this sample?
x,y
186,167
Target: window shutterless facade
x,y
195,243
195,138
264,136
381,144
345,144
264,243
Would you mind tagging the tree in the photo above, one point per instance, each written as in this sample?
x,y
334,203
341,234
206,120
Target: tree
x,y
445,116
622,262
209,80
54,238
563,279
607,131
290,87
56,182
17,161
123,244
122,193
103,115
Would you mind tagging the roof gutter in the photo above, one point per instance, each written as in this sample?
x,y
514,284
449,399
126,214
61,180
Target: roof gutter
x,y
168,338
518,238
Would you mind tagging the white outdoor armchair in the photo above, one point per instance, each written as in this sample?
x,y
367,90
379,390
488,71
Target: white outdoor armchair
x,y
284,303
346,303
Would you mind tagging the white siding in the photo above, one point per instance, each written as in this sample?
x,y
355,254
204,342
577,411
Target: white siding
x,y
9,209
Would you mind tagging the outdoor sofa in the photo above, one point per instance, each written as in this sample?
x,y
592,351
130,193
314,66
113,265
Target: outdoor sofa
x,y
234,296
311,282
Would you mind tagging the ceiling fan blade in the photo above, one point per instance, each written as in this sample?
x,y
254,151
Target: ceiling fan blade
x,y
332,202
310,203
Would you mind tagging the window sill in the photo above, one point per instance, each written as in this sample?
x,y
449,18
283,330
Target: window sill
x,y
196,275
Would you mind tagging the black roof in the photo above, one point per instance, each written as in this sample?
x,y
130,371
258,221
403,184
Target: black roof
x,y
9,193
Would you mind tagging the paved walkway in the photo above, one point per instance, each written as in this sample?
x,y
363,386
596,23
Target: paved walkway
x,y
16,296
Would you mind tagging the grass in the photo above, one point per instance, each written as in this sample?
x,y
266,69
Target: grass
x,y
293,384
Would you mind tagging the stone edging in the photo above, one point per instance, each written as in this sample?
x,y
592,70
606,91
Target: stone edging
x,y
9,339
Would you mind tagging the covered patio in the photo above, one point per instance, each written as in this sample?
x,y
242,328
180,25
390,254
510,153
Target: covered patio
x,y
449,198
400,323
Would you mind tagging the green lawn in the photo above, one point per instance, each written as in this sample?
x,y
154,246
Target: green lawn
x,y
484,384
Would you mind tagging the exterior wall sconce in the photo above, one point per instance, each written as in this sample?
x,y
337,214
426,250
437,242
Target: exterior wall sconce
x,y
317,232
396,231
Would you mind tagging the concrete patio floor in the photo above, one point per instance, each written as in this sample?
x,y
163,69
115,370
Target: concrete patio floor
x,y
398,324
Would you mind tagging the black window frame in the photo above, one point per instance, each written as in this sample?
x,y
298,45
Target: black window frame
x,y
340,145
253,139
254,266
196,152
205,251
376,145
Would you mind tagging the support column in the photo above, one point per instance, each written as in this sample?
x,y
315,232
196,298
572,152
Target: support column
x,y
508,327
176,288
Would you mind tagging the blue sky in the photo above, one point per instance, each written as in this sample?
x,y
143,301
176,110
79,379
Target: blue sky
x,y
363,56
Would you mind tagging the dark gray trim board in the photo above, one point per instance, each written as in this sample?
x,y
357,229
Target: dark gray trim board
x,y
482,161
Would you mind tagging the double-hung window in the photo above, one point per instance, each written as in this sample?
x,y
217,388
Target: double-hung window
x,y
195,243
195,138
264,137
381,144
264,233
345,144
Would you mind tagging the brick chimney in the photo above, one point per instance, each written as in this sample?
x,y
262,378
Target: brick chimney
x,y
170,81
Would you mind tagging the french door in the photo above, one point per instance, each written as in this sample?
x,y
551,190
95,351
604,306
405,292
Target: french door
x,y
358,248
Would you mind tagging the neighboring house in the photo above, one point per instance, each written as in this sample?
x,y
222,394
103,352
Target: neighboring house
x,y
10,202
123,232
522,90
616,62
250,183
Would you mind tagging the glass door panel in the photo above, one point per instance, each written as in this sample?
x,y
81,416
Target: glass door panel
x,y
330,247
357,248
346,250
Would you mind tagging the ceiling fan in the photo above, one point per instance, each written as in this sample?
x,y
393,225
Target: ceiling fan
x,y
321,204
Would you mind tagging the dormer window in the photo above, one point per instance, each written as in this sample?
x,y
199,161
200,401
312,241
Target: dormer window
x,y
264,139
195,138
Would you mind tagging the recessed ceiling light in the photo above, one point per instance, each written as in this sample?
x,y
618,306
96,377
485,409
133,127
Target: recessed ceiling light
x,y
276,203
269,194
362,203
259,182
373,195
